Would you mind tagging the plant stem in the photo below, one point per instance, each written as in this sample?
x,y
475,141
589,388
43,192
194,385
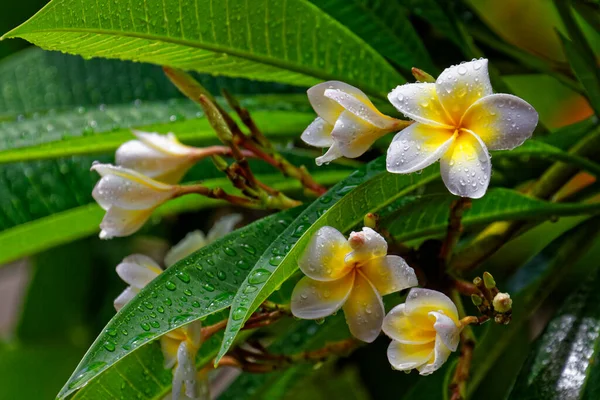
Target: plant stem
x,y
217,193
457,209
458,386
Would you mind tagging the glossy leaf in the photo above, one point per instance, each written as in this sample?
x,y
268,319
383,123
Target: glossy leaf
x,y
367,190
562,366
385,26
440,15
196,287
423,216
263,42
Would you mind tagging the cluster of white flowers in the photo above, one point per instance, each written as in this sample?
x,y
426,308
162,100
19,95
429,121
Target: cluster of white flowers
x,y
457,120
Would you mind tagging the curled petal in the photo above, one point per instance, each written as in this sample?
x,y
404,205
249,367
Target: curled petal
x,y
193,241
118,222
167,144
318,133
361,107
416,328
354,136
138,270
316,299
366,244
389,274
327,108
169,347
440,355
185,373
405,357
323,258
223,226
193,332
364,310
128,189
420,102
124,298
466,167
333,153
502,121
447,330
462,85
417,147
426,300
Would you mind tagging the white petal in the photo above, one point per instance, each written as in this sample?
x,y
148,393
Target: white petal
x,y
414,329
389,274
502,121
328,109
316,299
323,258
466,167
192,242
420,102
138,270
118,222
185,372
354,136
164,143
462,85
364,310
333,153
318,133
405,357
441,354
124,298
128,189
447,330
169,348
426,300
366,244
361,107
193,332
223,226
417,147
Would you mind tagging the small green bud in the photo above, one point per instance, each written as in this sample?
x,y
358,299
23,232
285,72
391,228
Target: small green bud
x,y
422,76
216,120
370,220
502,303
477,300
477,281
488,280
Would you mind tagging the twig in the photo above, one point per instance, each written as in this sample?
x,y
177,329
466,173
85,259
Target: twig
x,y
458,386
457,209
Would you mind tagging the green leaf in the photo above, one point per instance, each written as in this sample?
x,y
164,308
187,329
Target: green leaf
x,y
367,190
530,287
562,362
423,216
385,26
265,41
440,15
26,233
196,287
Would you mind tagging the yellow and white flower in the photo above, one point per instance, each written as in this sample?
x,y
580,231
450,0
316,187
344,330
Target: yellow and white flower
x,y
457,120
181,345
351,274
161,157
424,331
128,198
348,123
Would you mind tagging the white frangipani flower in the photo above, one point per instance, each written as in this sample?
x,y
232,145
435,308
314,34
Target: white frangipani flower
x,y
137,271
161,157
195,240
128,198
348,123
424,331
351,274
457,120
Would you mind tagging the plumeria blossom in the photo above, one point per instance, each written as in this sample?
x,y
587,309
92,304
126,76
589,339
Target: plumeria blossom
x,y
181,345
348,123
161,157
128,198
351,274
424,331
457,120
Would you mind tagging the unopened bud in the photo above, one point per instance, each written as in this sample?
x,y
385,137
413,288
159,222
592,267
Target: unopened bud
x,y
422,76
502,302
477,281
477,300
488,280
216,120
370,220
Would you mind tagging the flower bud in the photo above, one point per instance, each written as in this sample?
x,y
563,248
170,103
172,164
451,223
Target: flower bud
x,y
502,302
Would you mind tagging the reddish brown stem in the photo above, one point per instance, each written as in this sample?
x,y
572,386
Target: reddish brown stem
x,y
461,374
